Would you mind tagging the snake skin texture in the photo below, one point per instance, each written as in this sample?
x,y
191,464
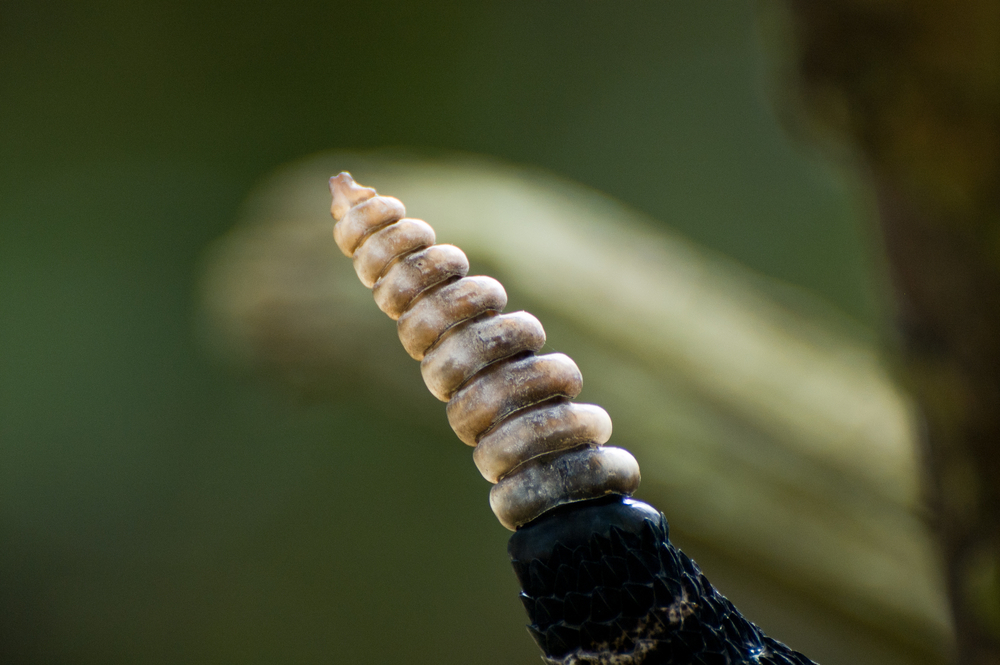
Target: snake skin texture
x,y
603,585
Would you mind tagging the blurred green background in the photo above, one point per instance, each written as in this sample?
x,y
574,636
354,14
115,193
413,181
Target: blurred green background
x,y
156,508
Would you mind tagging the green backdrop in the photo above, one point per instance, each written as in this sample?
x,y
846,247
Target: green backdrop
x,y
155,508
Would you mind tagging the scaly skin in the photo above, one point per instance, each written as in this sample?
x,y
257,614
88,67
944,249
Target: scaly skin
x,y
603,585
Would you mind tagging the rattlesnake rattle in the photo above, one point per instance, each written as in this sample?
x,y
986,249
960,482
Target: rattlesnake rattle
x,y
601,582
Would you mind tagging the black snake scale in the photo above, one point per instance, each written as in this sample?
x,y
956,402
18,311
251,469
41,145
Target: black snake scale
x,y
601,581
603,585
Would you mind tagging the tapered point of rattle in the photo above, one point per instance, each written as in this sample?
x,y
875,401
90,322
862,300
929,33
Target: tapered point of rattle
x,y
346,194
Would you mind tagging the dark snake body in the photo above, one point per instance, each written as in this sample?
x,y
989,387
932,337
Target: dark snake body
x,y
603,585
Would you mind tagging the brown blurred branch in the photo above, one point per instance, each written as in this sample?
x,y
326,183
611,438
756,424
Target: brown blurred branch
x,y
916,87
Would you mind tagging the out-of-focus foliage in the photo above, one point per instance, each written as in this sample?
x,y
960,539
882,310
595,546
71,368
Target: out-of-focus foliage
x,y
155,508
915,88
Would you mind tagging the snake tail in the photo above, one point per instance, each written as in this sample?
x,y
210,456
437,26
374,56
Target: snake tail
x,y
603,585
601,581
